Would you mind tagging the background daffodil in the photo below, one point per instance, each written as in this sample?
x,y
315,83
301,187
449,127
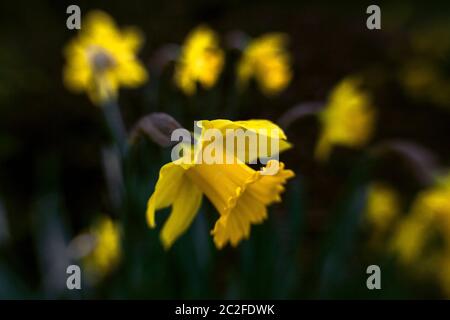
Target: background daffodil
x,y
429,212
267,61
201,60
239,193
102,58
422,238
383,207
348,118
107,249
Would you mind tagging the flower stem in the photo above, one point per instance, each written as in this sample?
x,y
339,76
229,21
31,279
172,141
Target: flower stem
x,y
116,126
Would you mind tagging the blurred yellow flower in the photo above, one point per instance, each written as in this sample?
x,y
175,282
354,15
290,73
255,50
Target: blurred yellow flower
x,y
107,251
414,241
267,61
424,79
201,60
383,206
102,58
347,120
410,238
430,213
432,40
424,75
418,76
436,202
239,193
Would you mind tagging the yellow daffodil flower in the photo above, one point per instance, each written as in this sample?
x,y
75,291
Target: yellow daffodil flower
x,y
383,206
107,251
102,58
430,212
201,60
347,120
239,193
410,238
267,61
429,219
436,202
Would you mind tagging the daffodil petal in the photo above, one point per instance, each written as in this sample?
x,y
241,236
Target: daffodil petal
x,y
255,125
262,128
261,124
131,74
166,190
133,38
184,210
